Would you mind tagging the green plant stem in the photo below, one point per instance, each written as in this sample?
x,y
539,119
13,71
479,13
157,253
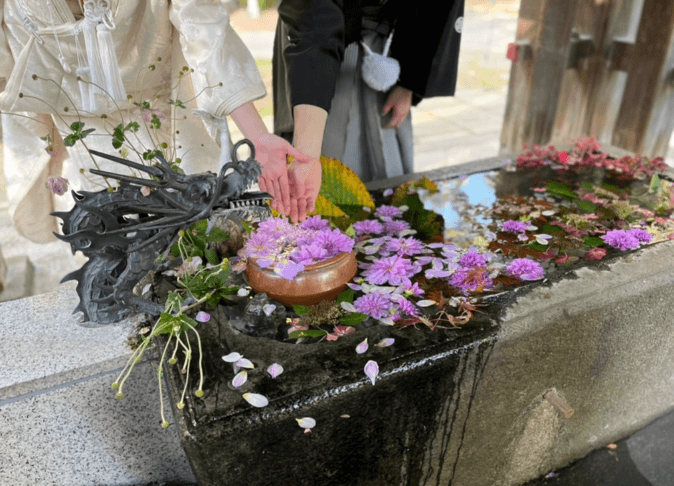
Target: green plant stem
x,y
160,373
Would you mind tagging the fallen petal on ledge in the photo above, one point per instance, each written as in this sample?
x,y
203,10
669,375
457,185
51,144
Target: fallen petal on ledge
x,y
275,369
232,357
306,422
256,400
240,378
362,347
372,370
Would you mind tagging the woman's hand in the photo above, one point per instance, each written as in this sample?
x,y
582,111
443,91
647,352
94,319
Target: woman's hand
x,y
399,101
305,184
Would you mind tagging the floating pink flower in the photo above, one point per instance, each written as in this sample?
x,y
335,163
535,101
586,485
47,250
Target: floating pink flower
x,y
513,226
474,279
308,254
374,305
525,269
368,227
621,239
394,270
473,258
385,211
396,227
404,246
288,269
57,185
315,223
334,242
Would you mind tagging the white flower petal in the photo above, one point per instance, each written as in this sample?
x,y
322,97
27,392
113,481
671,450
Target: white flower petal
x,y
268,309
549,212
385,342
362,347
306,422
256,400
348,307
243,292
146,289
386,321
403,208
372,370
275,369
367,209
232,357
240,378
531,228
426,303
245,363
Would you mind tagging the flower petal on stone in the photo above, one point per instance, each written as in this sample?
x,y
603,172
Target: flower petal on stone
x,y
388,192
243,292
268,309
372,370
202,317
362,347
549,212
426,303
245,363
348,307
256,400
275,369
542,239
386,321
306,422
232,357
240,378
385,342
145,191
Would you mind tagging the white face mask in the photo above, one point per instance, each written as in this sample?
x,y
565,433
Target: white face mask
x,y
380,72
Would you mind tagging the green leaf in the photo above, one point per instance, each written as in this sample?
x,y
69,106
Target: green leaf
x,y
549,229
247,227
174,301
346,296
166,324
187,323
587,206
352,319
155,122
309,333
561,189
216,236
132,127
211,256
655,186
534,245
76,126
300,309
70,140
588,186
593,241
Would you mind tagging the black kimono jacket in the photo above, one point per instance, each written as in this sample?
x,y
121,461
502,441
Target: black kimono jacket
x,y
311,37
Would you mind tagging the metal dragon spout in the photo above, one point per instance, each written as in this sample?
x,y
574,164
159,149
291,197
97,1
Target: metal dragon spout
x,y
123,232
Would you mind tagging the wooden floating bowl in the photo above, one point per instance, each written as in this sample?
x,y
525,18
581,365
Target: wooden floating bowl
x,y
318,282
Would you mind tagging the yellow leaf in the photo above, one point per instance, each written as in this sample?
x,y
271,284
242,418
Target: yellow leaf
x,y
341,186
326,208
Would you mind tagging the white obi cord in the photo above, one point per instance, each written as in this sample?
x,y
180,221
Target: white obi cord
x,y
101,69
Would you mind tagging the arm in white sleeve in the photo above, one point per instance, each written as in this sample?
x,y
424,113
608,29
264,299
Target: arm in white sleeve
x,y
225,74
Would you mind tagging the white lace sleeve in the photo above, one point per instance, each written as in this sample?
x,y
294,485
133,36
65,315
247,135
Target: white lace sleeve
x,y
223,67
6,58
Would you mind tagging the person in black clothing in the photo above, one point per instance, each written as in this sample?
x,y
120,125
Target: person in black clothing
x,y
321,101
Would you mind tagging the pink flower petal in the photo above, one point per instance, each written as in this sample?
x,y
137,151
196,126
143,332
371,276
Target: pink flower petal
x,y
256,400
203,317
362,347
232,357
372,370
385,342
245,363
275,369
240,378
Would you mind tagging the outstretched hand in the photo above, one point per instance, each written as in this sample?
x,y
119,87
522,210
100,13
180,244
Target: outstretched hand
x,y
271,152
399,101
305,184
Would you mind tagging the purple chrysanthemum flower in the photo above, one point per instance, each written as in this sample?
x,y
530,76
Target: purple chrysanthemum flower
x,y
641,234
469,280
404,246
308,254
288,269
438,270
407,307
334,241
412,289
393,270
396,227
260,245
368,227
374,305
525,269
275,226
472,258
515,226
315,223
385,211
621,239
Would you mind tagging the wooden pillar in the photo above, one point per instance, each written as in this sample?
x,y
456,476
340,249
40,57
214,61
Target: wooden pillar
x,y
544,27
646,117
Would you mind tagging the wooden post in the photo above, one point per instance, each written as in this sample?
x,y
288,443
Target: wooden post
x,y
646,117
535,83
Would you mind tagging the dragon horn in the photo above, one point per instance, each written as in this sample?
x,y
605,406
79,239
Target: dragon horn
x,y
150,170
131,180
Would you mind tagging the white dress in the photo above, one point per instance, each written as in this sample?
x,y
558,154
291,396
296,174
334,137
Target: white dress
x,y
53,63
